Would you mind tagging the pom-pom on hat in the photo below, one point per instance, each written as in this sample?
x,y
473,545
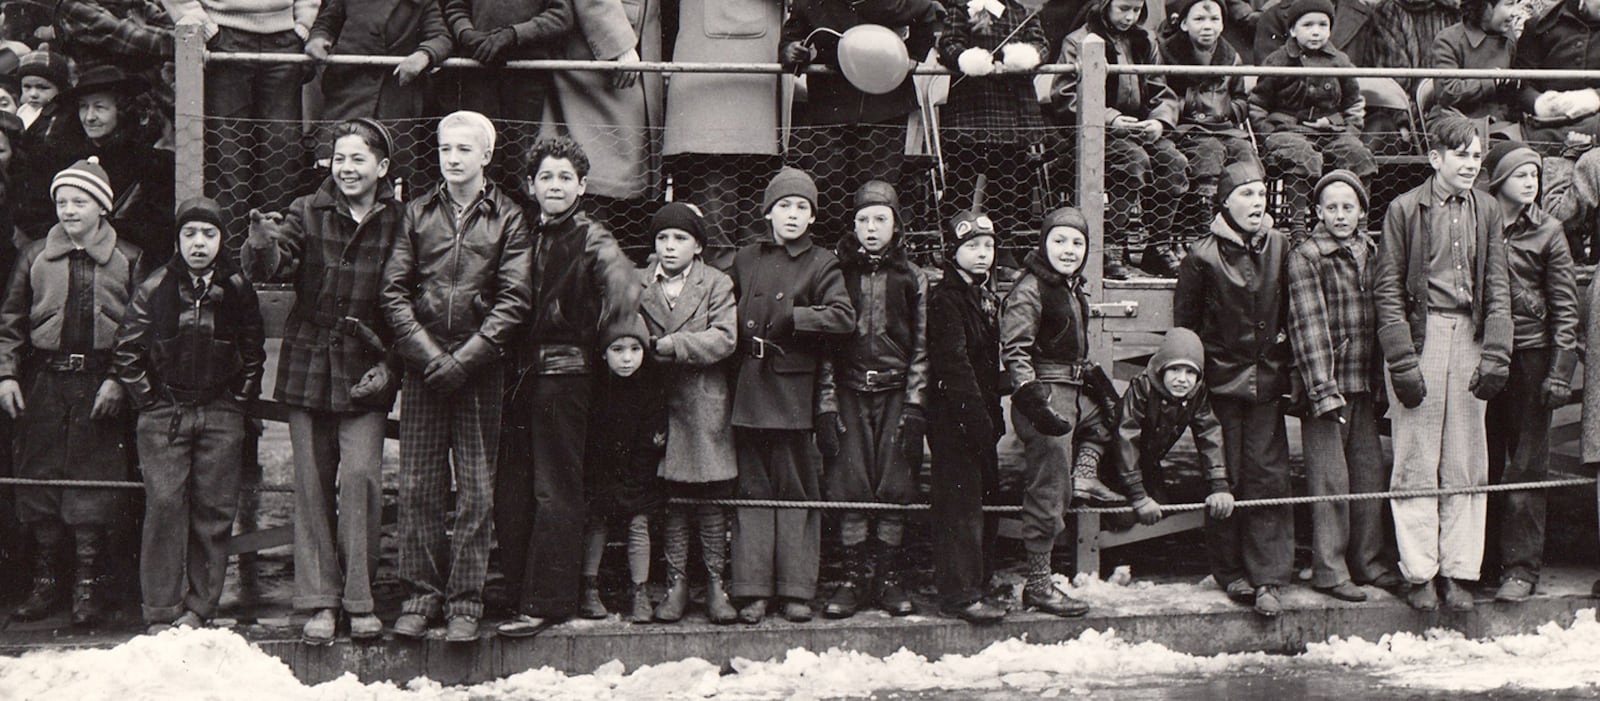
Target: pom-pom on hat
x,y
789,182
965,227
1340,176
625,326
201,209
1503,158
86,175
1301,8
679,215
1236,175
46,64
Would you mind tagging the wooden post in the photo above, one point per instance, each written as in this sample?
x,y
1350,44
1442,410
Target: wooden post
x,y
1092,200
189,112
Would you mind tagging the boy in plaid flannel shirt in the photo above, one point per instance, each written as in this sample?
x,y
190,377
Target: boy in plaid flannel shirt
x,y
1332,330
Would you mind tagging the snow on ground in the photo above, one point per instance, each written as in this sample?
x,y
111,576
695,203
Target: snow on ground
x,y
201,665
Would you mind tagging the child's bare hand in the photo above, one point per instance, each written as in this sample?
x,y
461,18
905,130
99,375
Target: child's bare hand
x,y
1124,123
413,66
11,398
623,80
318,48
1219,505
107,401
1152,130
1148,511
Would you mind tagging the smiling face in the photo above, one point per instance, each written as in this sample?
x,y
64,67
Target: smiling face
x,y
198,243
1064,247
1247,205
1498,17
976,256
463,154
1339,209
875,227
624,356
1457,168
1203,24
675,249
790,217
356,168
1522,186
1312,30
37,91
1121,15
99,114
1180,380
557,185
78,213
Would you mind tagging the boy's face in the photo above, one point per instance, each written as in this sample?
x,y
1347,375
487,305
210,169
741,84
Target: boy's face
x,y
1203,24
1123,14
462,155
1497,17
356,168
1064,247
1339,209
1180,380
1311,31
557,185
1247,205
199,243
976,256
624,356
1522,186
875,227
675,248
99,115
78,213
790,218
1457,168
37,91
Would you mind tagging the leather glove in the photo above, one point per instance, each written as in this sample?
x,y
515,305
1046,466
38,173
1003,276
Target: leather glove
x,y
470,40
1555,393
1407,381
1033,400
909,434
795,57
372,383
1486,385
444,374
492,52
829,428
1148,511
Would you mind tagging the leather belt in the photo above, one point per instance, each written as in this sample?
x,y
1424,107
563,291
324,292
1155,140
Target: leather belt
x,y
759,348
872,380
561,359
1071,373
91,362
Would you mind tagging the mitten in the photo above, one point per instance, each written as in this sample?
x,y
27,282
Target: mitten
x,y
976,61
1557,388
1033,400
1487,381
1019,57
1406,378
829,428
908,436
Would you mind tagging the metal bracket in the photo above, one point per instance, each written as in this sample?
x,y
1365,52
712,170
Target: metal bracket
x,y
1126,309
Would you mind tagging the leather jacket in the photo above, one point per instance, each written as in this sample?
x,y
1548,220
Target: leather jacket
x,y
175,346
1544,287
1235,296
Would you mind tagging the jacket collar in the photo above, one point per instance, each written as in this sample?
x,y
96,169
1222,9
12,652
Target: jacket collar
x,y
440,197
853,256
1298,52
1182,52
794,248
1327,244
1475,36
672,317
953,274
1221,230
328,196
1034,261
99,244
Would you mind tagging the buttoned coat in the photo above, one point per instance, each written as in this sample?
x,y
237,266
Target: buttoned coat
x,y
703,328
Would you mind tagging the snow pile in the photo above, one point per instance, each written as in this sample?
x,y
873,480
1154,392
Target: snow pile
x,y
175,665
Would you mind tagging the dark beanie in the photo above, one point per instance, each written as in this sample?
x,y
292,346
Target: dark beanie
x,y
679,215
623,327
1070,217
1180,11
965,227
47,64
1301,8
1503,158
878,192
1340,176
789,182
203,209
1236,175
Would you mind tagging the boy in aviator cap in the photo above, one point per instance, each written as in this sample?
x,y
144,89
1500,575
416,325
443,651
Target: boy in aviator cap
x,y
964,418
792,302
1232,293
68,293
190,352
873,386
690,311
1060,413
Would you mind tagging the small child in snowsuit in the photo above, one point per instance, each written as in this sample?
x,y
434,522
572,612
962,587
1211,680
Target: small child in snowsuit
x,y
1308,121
1061,409
627,437
964,418
873,387
1162,402
44,75
693,322
792,301
67,295
189,353
1333,332
1544,317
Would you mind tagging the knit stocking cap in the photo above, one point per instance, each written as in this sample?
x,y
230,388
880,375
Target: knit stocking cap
x,y
86,175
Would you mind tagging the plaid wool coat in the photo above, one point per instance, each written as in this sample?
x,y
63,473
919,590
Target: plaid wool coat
x,y
1332,322
991,108
336,267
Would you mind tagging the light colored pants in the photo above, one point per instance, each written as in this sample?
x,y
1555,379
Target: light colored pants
x,y
338,507
1441,443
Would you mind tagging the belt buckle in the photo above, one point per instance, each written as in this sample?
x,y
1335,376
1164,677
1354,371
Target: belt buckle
x,y
77,362
871,377
759,349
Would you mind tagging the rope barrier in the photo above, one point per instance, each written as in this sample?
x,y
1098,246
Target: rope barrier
x,y
990,508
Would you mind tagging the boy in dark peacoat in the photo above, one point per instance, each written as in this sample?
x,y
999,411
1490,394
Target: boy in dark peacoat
x,y
792,301
189,353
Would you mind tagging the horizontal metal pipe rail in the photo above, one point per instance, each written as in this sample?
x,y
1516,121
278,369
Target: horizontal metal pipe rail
x,y
579,65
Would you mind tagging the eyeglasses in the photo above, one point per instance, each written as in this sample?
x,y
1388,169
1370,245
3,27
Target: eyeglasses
x,y
983,224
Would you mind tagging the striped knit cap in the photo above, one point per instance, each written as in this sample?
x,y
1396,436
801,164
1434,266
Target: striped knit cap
x,y
86,175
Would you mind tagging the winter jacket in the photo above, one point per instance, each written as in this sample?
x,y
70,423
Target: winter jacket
x,y
540,26
335,330
1404,32
888,349
1401,290
792,303
965,378
1137,96
34,312
627,436
1461,46
459,289
1235,296
191,350
580,282
1282,103
1150,420
703,327
1206,102
1044,333
831,99
378,28
1332,322
134,35
992,107
1543,281
141,178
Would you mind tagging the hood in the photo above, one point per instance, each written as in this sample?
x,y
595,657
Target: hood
x,y
1180,346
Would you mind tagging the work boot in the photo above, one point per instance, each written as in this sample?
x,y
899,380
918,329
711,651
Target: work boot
x,y
886,588
45,595
1086,484
1041,593
589,604
1456,594
718,609
642,612
1422,597
677,599
1267,602
85,602
1160,261
1514,590
847,595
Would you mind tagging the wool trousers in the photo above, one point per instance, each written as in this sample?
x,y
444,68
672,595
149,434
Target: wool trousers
x,y
1519,451
1255,543
338,507
541,511
965,471
775,551
1048,462
1348,539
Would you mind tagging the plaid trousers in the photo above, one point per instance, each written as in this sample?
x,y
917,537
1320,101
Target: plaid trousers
x,y
462,428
